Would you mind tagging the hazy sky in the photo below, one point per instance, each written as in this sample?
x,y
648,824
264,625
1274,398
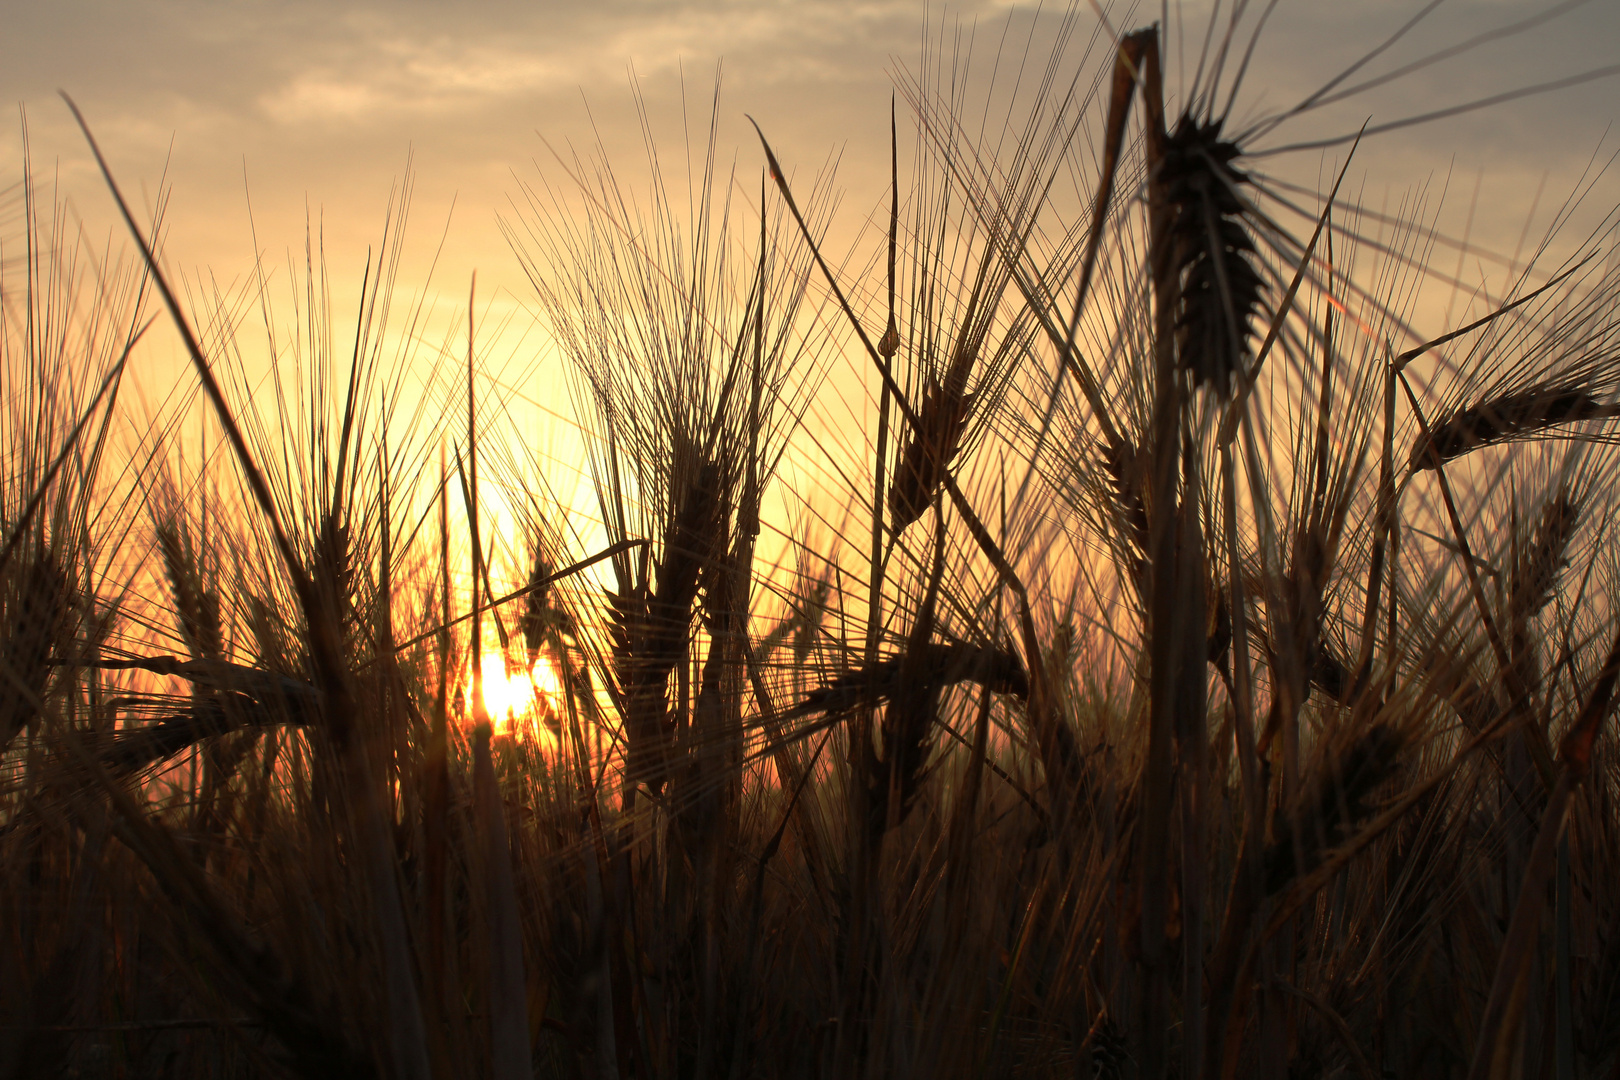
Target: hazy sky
x,y
318,105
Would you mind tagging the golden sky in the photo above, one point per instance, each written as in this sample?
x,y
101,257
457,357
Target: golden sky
x,y
319,104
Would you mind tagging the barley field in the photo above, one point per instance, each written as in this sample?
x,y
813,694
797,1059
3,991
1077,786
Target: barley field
x,y
1126,614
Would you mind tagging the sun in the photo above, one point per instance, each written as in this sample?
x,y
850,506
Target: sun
x,y
512,693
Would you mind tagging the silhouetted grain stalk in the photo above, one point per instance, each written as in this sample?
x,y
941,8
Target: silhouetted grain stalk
x,y
321,610
654,625
1537,564
37,624
924,464
1517,415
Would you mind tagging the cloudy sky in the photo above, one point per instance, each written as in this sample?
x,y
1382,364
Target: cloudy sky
x,y
322,102
299,107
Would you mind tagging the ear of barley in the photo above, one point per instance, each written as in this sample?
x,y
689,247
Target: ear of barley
x,y
37,627
1507,417
928,451
196,606
1333,805
1212,250
992,666
653,638
1537,564
1128,483
537,615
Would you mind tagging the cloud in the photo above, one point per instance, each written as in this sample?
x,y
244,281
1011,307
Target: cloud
x,y
372,64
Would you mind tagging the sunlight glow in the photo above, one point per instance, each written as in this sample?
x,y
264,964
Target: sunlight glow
x,y
512,695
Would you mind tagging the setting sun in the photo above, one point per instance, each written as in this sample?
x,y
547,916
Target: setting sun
x,y
511,692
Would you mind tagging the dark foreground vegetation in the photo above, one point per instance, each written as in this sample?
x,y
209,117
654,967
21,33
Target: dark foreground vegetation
x,y
1173,664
